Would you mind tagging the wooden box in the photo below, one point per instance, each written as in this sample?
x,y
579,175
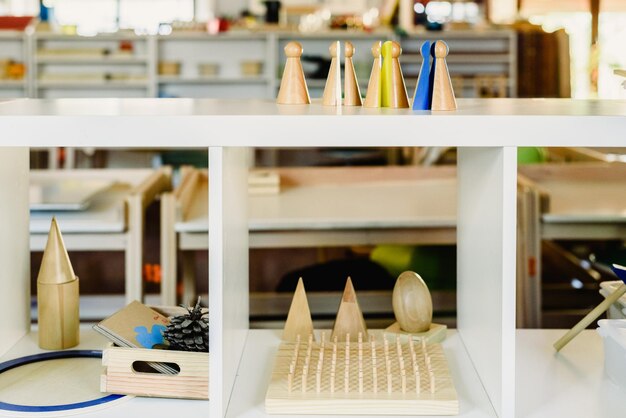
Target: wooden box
x,y
126,372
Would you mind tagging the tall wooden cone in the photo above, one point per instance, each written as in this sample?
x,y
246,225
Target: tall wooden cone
x,y
349,317
57,295
299,320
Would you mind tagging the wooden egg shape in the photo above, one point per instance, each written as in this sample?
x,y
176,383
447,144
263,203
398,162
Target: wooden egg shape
x,y
412,304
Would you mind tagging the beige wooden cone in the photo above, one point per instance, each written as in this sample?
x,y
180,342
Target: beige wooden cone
x,y
57,295
349,317
299,320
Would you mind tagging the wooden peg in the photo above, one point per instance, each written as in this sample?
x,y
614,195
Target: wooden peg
x,y
333,366
349,319
432,382
346,376
374,87
352,91
443,94
293,88
394,90
57,295
299,320
423,92
332,90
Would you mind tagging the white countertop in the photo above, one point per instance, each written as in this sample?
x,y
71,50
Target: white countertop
x,y
212,122
569,384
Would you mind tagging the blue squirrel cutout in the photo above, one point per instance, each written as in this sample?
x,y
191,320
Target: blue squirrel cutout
x,y
148,339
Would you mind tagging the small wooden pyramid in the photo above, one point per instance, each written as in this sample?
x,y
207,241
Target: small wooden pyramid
x,y
349,316
57,295
299,322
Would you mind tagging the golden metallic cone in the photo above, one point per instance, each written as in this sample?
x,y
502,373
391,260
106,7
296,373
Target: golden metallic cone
x,y
57,296
56,267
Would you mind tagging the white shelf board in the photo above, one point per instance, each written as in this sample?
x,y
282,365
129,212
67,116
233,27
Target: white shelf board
x,y
569,384
211,80
113,84
12,84
87,60
131,408
255,370
494,122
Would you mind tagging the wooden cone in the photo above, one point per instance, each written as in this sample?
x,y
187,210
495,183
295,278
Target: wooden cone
x,y
349,317
57,295
293,88
443,93
374,87
351,90
299,322
332,90
394,90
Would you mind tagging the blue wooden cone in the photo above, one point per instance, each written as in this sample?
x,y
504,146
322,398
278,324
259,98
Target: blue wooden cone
x,y
423,90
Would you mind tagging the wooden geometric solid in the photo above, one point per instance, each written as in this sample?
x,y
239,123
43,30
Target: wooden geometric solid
x,y
373,97
299,322
57,296
293,88
443,93
349,318
332,89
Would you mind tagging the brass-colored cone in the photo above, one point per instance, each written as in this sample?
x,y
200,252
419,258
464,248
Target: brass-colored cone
x,y
56,267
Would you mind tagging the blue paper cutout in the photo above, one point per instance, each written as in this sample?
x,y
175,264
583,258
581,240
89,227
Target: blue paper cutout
x,y
148,339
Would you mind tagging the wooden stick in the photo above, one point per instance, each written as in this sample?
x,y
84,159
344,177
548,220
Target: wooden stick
x,y
346,372
333,366
589,318
374,372
387,365
432,382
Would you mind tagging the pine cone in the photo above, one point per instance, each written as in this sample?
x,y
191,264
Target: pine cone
x,y
189,332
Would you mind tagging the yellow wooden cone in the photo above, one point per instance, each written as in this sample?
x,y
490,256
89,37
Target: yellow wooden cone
x,y
349,317
299,321
57,295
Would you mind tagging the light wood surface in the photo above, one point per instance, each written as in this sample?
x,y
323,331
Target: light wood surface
x,y
412,305
332,89
349,321
120,376
373,97
394,93
382,376
352,91
443,94
436,333
293,88
57,295
299,322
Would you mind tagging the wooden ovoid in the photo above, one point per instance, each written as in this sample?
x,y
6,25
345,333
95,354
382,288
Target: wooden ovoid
x,y
349,321
57,295
412,303
299,322
293,88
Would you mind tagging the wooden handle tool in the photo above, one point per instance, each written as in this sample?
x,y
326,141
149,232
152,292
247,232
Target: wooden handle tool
x,y
620,271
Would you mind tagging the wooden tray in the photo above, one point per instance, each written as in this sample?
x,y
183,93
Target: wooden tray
x,y
122,376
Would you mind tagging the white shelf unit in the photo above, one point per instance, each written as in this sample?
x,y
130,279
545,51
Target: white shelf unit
x,y
228,52
474,54
487,132
97,68
14,46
